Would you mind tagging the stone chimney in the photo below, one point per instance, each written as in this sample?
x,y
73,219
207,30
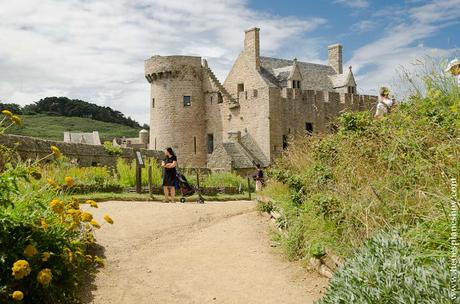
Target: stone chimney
x,y
335,57
252,47
234,136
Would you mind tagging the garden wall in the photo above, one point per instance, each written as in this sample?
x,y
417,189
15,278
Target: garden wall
x,y
82,154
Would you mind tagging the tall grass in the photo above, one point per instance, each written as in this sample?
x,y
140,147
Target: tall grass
x,y
126,173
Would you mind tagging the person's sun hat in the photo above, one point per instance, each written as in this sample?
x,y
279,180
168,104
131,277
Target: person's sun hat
x,y
453,63
384,91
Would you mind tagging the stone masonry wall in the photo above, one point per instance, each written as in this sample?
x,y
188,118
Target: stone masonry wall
x,y
291,109
86,155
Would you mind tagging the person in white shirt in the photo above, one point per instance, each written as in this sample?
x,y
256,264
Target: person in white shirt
x,y
454,68
385,102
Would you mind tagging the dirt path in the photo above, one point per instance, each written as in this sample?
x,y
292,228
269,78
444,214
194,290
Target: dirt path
x,y
189,253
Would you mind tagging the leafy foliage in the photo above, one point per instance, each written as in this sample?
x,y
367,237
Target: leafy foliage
x,y
386,270
111,149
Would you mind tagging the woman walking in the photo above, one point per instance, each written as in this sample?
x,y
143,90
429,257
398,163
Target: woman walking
x,y
169,175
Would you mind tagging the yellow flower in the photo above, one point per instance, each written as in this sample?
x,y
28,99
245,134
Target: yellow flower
x,y
51,182
56,151
7,113
44,224
69,254
69,181
44,277
108,219
92,203
57,206
30,251
16,119
95,224
20,269
18,295
86,217
46,256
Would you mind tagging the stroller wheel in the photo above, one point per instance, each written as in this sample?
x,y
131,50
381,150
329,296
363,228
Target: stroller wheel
x,y
182,200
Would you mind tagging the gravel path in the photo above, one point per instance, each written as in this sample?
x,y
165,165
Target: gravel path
x,y
190,253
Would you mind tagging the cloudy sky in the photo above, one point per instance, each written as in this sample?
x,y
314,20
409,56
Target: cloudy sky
x,y
95,49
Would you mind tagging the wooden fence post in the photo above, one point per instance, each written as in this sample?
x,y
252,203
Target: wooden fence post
x,y
249,188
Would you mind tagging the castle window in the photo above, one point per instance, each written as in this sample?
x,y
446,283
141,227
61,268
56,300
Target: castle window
x,y
285,142
155,143
309,127
240,88
211,99
194,144
219,98
210,143
298,84
187,101
254,93
351,90
153,102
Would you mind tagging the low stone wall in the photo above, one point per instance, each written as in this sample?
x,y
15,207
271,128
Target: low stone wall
x,y
82,154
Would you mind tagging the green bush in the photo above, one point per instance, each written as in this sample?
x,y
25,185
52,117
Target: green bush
x,y
111,149
44,238
386,270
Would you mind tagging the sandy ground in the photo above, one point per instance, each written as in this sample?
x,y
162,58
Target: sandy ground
x,y
190,253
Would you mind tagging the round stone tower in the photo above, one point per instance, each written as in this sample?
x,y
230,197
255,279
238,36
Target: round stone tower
x,y
177,109
144,137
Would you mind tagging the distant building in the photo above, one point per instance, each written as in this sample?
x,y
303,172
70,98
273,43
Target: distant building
x,y
141,142
82,138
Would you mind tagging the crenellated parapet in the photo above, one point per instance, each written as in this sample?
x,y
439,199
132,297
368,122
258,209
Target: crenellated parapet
x,y
332,100
172,67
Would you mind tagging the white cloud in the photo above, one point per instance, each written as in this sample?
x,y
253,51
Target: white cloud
x,y
95,50
354,3
402,43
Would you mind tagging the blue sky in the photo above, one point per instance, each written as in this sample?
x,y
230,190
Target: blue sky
x,y
95,50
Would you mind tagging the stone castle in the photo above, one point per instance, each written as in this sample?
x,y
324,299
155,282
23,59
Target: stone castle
x,y
249,118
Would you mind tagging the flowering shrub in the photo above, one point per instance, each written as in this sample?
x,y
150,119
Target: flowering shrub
x,y
44,239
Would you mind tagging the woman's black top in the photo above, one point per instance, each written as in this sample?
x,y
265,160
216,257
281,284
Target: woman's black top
x,y
169,176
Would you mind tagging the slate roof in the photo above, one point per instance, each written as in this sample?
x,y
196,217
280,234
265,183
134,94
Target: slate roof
x,y
315,76
245,154
341,80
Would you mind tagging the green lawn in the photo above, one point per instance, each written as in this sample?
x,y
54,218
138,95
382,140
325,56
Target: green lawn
x,y
53,127
106,196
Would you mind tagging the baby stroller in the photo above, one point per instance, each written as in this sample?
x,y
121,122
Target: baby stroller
x,y
188,190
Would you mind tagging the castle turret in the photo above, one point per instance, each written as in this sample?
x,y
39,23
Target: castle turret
x,y
177,107
144,137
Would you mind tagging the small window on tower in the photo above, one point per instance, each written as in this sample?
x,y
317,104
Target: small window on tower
x,y
219,98
211,99
194,144
254,93
153,102
210,143
187,101
298,84
240,87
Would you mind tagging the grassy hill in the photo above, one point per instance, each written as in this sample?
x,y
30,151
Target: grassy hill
x,y
53,127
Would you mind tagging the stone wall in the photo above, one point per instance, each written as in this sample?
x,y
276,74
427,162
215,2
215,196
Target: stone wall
x,y
85,155
291,109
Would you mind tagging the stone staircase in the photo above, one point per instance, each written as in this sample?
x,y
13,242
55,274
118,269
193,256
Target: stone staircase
x,y
233,103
